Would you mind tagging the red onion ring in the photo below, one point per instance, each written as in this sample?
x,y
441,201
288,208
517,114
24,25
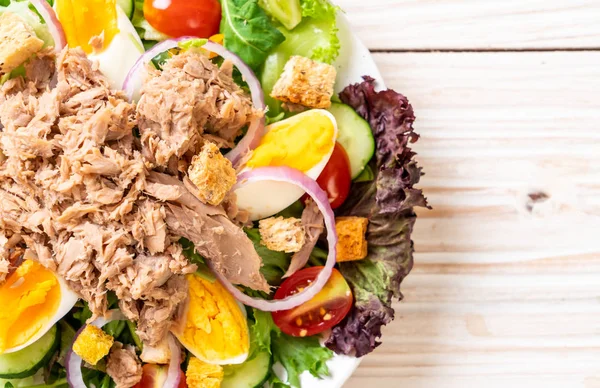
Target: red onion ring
x,y
73,361
293,176
173,375
54,26
255,131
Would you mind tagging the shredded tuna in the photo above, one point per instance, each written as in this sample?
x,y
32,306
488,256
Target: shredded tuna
x,y
312,220
190,101
77,192
123,366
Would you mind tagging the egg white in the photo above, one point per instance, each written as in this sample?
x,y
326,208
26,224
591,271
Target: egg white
x,y
68,299
121,54
264,198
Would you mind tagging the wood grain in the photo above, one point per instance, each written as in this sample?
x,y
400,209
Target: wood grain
x,y
506,290
475,24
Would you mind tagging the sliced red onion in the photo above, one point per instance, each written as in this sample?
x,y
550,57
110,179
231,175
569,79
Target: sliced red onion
x,y
54,26
293,176
133,83
73,361
173,374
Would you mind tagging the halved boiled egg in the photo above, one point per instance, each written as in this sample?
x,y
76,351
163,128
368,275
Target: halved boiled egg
x,y
304,142
214,327
33,299
104,32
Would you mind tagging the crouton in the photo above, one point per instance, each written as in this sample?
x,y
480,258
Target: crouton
x,y
92,344
212,174
157,354
305,82
282,234
352,244
18,42
202,375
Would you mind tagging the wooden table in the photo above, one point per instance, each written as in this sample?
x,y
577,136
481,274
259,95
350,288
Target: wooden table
x,y
506,287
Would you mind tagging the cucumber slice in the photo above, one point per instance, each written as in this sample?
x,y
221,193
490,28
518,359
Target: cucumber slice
x,y
127,6
251,374
27,361
355,135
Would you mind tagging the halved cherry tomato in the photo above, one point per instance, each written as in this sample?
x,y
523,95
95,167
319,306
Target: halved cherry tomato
x,y
320,313
336,177
154,376
176,18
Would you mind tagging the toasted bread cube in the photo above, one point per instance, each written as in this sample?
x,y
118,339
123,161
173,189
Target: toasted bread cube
x,y
92,344
352,244
157,354
305,82
18,42
282,234
212,174
202,375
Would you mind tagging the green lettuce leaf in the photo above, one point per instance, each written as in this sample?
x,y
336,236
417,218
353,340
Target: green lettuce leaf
x,y
274,263
296,354
387,201
248,31
316,37
286,12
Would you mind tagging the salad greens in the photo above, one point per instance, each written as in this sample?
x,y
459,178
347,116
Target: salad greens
x,y
388,203
287,12
316,37
295,354
248,31
275,264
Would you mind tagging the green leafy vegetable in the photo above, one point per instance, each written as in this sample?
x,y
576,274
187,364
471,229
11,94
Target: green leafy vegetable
x,y
316,37
387,201
192,43
274,263
287,12
248,32
299,354
296,354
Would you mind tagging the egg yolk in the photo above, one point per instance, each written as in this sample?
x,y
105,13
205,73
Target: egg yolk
x,y
83,20
215,327
301,142
29,298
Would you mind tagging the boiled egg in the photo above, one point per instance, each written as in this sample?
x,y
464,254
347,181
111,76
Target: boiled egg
x,y
304,142
213,327
119,46
33,299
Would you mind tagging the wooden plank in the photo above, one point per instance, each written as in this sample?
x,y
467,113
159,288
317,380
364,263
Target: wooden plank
x,y
505,291
475,24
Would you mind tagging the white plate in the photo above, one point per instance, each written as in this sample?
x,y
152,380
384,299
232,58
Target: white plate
x,y
354,61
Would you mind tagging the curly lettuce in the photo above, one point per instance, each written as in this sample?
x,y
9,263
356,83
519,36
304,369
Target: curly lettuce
x,y
295,354
387,201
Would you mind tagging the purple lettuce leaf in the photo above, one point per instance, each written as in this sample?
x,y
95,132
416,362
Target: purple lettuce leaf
x,y
388,203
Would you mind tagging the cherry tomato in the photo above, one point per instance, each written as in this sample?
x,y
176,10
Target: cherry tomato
x,y
320,313
336,177
176,18
154,376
